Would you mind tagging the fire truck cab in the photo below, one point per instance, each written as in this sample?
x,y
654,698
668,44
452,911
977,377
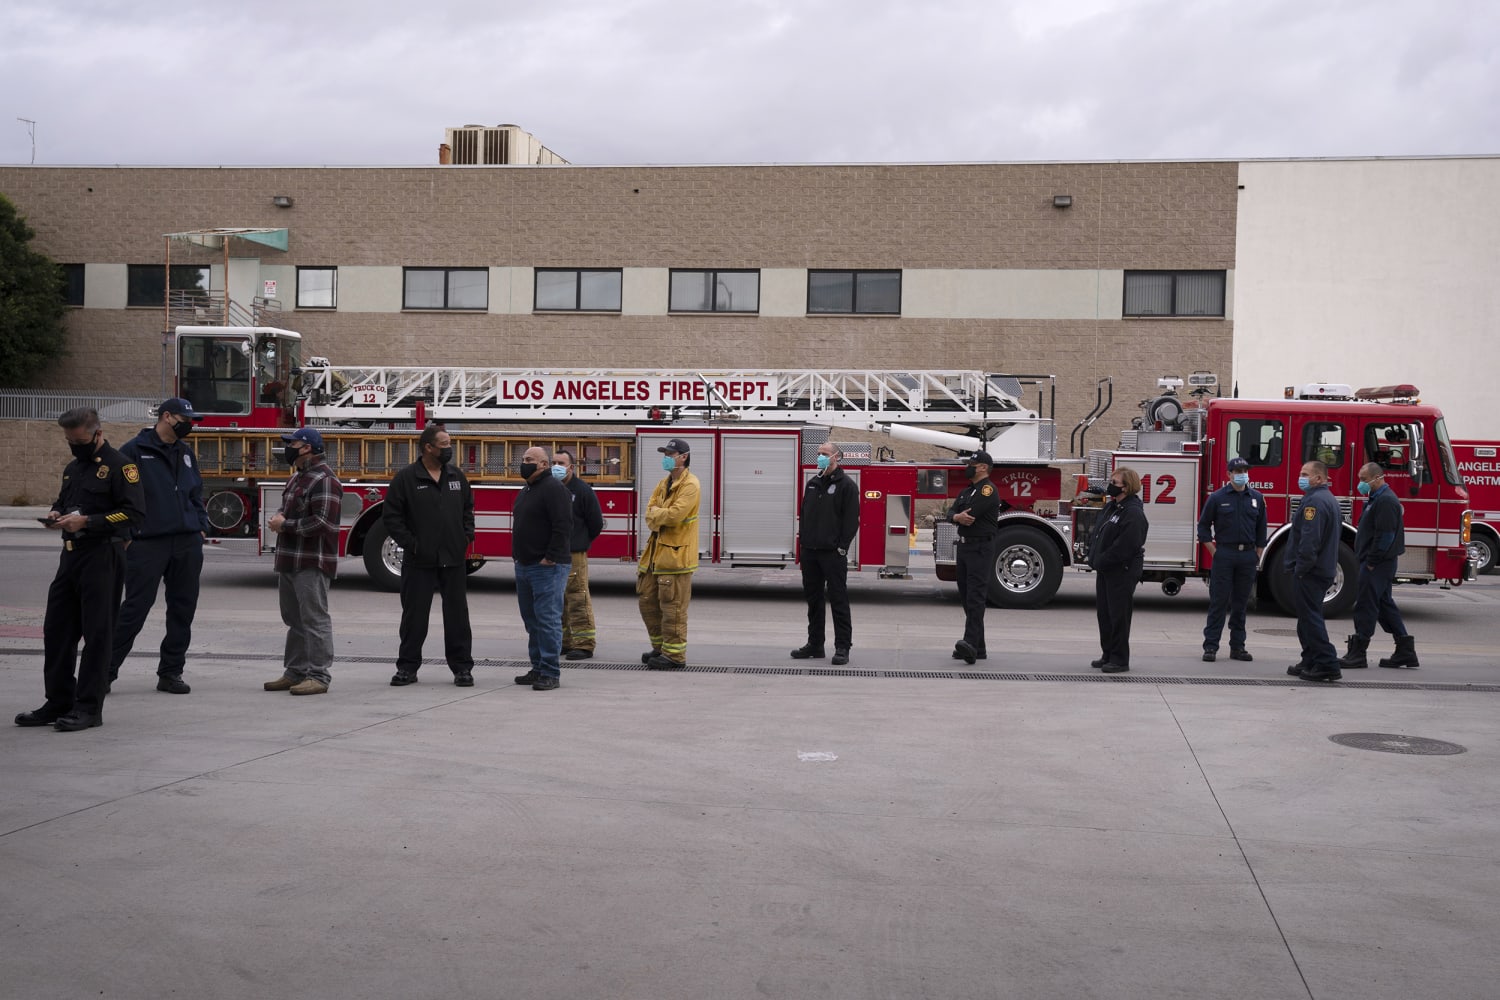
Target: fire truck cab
x,y
239,376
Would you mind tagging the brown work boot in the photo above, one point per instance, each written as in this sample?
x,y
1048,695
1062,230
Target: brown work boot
x,y
309,686
280,684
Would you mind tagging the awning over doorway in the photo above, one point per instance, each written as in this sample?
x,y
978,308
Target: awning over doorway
x,y
215,239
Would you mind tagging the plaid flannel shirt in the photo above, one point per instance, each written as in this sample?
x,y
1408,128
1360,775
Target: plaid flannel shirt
x,y
311,504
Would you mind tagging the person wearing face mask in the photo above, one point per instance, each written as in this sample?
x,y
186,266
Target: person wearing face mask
x,y
664,576
829,518
100,501
1379,540
167,546
588,523
541,524
1233,527
307,559
976,512
1312,557
1117,554
429,512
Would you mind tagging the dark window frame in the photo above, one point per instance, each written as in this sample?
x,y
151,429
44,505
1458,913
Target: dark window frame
x,y
297,292
854,273
578,273
714,306
1173,312
1274,446
133,299
447,289
74,287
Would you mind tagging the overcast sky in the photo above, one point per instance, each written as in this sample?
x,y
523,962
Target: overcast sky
x,y
748,81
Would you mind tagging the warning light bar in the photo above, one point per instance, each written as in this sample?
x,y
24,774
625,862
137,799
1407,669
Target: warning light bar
x,y
1403,392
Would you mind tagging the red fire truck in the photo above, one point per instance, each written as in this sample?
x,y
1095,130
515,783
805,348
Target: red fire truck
x,y
1180,446
1479,461
754,436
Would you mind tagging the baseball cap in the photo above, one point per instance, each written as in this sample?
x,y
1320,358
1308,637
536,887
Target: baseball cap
x,y
179,406
982,457
676,444
308,434
1239,464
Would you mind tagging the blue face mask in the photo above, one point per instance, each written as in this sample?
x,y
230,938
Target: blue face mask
x,y
1364,488
559,472
668,463
1240,479
823,461
1303,483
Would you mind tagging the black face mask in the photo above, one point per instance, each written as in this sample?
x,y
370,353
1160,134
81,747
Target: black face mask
x,y
182,429
82,452
291,453
1114,489
445,455
528,469
970,471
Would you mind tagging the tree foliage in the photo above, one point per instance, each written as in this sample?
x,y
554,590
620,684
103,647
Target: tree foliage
x,y
32,302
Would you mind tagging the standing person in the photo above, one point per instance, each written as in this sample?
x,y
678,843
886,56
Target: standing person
x,y
307,559
168,545
829,518
541,524
1117,554
664,576
100,500
1233,526
977,514
1379,541
429,512
1312,557
588,522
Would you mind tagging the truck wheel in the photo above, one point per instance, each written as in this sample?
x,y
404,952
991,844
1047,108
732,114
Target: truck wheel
x,y
1339,597
1027,570
226,511
1482,552
474,565
382,559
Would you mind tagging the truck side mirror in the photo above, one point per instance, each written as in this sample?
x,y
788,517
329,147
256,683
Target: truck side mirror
x,y
1418,470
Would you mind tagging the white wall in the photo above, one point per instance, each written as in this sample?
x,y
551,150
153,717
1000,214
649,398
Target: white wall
x,y
1372,272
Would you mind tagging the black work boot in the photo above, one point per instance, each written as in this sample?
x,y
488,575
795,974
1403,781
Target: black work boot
x,y
1354,659
1405,655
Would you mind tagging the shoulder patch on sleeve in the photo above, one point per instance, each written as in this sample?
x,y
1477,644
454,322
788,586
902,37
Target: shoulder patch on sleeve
x,y
132,474
1309,512
987,490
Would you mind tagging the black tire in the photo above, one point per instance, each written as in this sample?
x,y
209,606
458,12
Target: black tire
x,y
1340,596
472,566
382,558
1027,569
1482,551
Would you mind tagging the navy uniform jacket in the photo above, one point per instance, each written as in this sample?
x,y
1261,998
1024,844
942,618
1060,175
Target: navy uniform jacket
x,y
588,519
1380,536
1315,536
981,500
106,487
830,512
173,486
1233,517
1119,542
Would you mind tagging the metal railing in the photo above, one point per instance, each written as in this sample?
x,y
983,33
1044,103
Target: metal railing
x,y
205,307
35,404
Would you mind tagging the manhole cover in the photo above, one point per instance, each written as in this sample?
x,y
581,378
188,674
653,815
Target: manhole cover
x,y
1275,631
1395,743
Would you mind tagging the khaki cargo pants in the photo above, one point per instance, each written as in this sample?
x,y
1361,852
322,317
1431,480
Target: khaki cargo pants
x,y
663,599
578,610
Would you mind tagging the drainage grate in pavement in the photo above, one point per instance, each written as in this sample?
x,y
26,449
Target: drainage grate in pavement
x,y
839,672
1276,631
769,670
943,674
707,669
1395,743
1085,678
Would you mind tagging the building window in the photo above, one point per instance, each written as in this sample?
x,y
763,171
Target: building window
x,y
1256,441
576,290
73,276
1174,293
446,288
863,292
317,287
714,291
1323,443
144,283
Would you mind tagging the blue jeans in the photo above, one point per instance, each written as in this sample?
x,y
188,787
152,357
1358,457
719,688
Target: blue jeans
x,y
539,592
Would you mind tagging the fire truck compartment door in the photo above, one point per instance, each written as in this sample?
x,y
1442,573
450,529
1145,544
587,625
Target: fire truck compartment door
x,y
1169,492
649,473
270,503
761,484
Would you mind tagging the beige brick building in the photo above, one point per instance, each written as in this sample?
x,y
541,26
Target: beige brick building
x,y
988,272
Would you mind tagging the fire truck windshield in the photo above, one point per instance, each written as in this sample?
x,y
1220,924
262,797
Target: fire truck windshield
x,y
1445,449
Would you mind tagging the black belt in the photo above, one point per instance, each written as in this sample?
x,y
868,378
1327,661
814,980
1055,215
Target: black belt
x,y
1236,546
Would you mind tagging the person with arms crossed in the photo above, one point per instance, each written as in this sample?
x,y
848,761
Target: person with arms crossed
x,y
1117,554
664,576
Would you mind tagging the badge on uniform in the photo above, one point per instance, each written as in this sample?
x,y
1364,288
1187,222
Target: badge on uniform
x,y
453,485
187,460
132,474
987,490
832,489
1309,513
103,472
